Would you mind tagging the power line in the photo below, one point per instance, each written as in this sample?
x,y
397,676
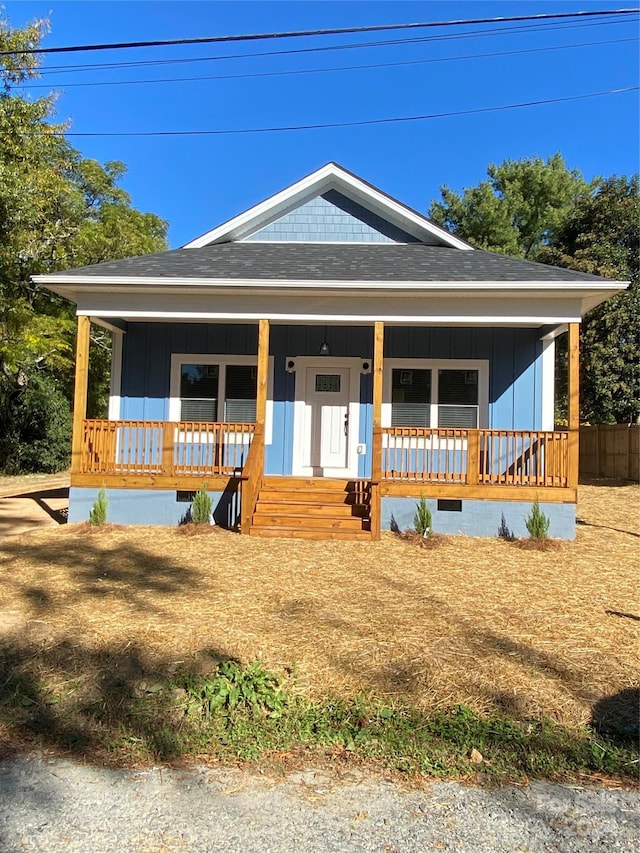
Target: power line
x,y
72,69
535,29
306,33
300,71
334,125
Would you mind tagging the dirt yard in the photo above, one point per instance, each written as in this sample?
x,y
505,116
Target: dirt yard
x,y
475,621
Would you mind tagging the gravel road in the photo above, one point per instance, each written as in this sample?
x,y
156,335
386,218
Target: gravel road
x,y
50,805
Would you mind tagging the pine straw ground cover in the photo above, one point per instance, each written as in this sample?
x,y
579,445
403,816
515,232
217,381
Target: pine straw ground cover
x,y
473,622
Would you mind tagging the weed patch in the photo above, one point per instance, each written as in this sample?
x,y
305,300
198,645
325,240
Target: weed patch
x,y
246,713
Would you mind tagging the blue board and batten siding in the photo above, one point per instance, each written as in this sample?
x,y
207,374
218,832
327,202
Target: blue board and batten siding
x,y
514,356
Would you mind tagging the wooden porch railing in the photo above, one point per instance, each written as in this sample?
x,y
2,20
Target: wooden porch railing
x,y
475,457
185,448
251,478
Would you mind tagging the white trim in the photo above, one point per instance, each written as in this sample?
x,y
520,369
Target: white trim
x,y
329,176
435,364
178,359
548,383
115,390
555,333
514,321
391,287
302,363
111,327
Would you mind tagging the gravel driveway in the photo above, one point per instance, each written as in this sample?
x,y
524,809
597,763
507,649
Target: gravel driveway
x,y
51,805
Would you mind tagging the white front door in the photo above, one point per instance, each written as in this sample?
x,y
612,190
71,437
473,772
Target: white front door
x,y
326,415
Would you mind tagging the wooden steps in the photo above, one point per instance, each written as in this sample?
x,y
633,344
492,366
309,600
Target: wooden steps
x,y
310,508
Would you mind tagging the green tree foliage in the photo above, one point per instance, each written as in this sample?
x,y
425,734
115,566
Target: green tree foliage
x,y
601,237
35,424
542,211
57,210
517,210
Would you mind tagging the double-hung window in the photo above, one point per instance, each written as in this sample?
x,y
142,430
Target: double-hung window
x,y
434,394
215,391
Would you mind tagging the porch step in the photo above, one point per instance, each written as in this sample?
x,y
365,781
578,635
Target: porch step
x,y
312,508
311,522
303,533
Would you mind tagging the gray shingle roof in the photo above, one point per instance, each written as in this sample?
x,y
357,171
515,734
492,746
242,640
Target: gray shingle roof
x,y
393,263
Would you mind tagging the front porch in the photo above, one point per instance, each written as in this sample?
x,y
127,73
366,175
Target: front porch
x,y
405,462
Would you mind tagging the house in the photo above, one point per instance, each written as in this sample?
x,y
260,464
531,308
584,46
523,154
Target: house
x,y
321,361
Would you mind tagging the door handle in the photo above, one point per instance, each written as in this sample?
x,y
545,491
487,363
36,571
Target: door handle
x,y
346,424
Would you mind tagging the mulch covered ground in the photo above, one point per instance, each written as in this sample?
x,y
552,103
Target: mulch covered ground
x,y
474,621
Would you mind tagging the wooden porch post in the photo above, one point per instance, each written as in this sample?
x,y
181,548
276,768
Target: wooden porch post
x,y
573,393
376,450
254,464
263,371
80,393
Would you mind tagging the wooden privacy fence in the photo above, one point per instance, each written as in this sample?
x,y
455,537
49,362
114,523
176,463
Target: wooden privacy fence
x,y
610,450
164,448
472,457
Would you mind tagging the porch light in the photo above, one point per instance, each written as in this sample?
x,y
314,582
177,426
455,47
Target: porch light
x,y
324,346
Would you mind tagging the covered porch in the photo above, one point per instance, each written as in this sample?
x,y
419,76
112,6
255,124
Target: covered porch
x,y
457,463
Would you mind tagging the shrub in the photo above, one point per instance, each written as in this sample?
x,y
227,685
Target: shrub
x,y
35,427
201,507
504,532
98,514
422,518
537,522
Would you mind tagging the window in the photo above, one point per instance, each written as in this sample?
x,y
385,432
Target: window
x,y
199,392
240,393
410,397
458,398
427,393
218,392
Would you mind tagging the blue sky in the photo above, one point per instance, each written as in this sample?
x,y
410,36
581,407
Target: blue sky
x,y
197,182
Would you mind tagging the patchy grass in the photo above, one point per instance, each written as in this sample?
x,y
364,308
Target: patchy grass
x,y
392,646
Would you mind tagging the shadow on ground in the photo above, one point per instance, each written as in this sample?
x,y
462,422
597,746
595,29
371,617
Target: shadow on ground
x,y
96,568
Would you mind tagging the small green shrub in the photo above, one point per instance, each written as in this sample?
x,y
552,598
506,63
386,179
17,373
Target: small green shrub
x,y
504,532
201,507
537,522
98,514
233,686
422,518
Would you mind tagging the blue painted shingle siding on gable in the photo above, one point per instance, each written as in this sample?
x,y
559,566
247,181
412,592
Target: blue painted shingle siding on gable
x,y
514,355
332,218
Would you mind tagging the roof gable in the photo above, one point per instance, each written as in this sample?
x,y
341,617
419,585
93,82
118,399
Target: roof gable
x,y
331,218
360,200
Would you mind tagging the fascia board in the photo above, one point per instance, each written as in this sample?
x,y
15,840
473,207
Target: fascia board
x,y
489,320
327,177
93,282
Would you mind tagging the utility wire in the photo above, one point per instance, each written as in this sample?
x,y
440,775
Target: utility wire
x,y
363,123
306,33
301,71
536,28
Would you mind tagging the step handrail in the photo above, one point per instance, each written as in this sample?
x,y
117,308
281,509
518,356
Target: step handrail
x,y
251,479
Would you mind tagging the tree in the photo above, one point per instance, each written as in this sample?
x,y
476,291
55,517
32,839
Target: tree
x,y
601,237
542,211
57,210
517,211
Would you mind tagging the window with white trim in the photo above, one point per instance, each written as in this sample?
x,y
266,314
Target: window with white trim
x,y
218,392
429,393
